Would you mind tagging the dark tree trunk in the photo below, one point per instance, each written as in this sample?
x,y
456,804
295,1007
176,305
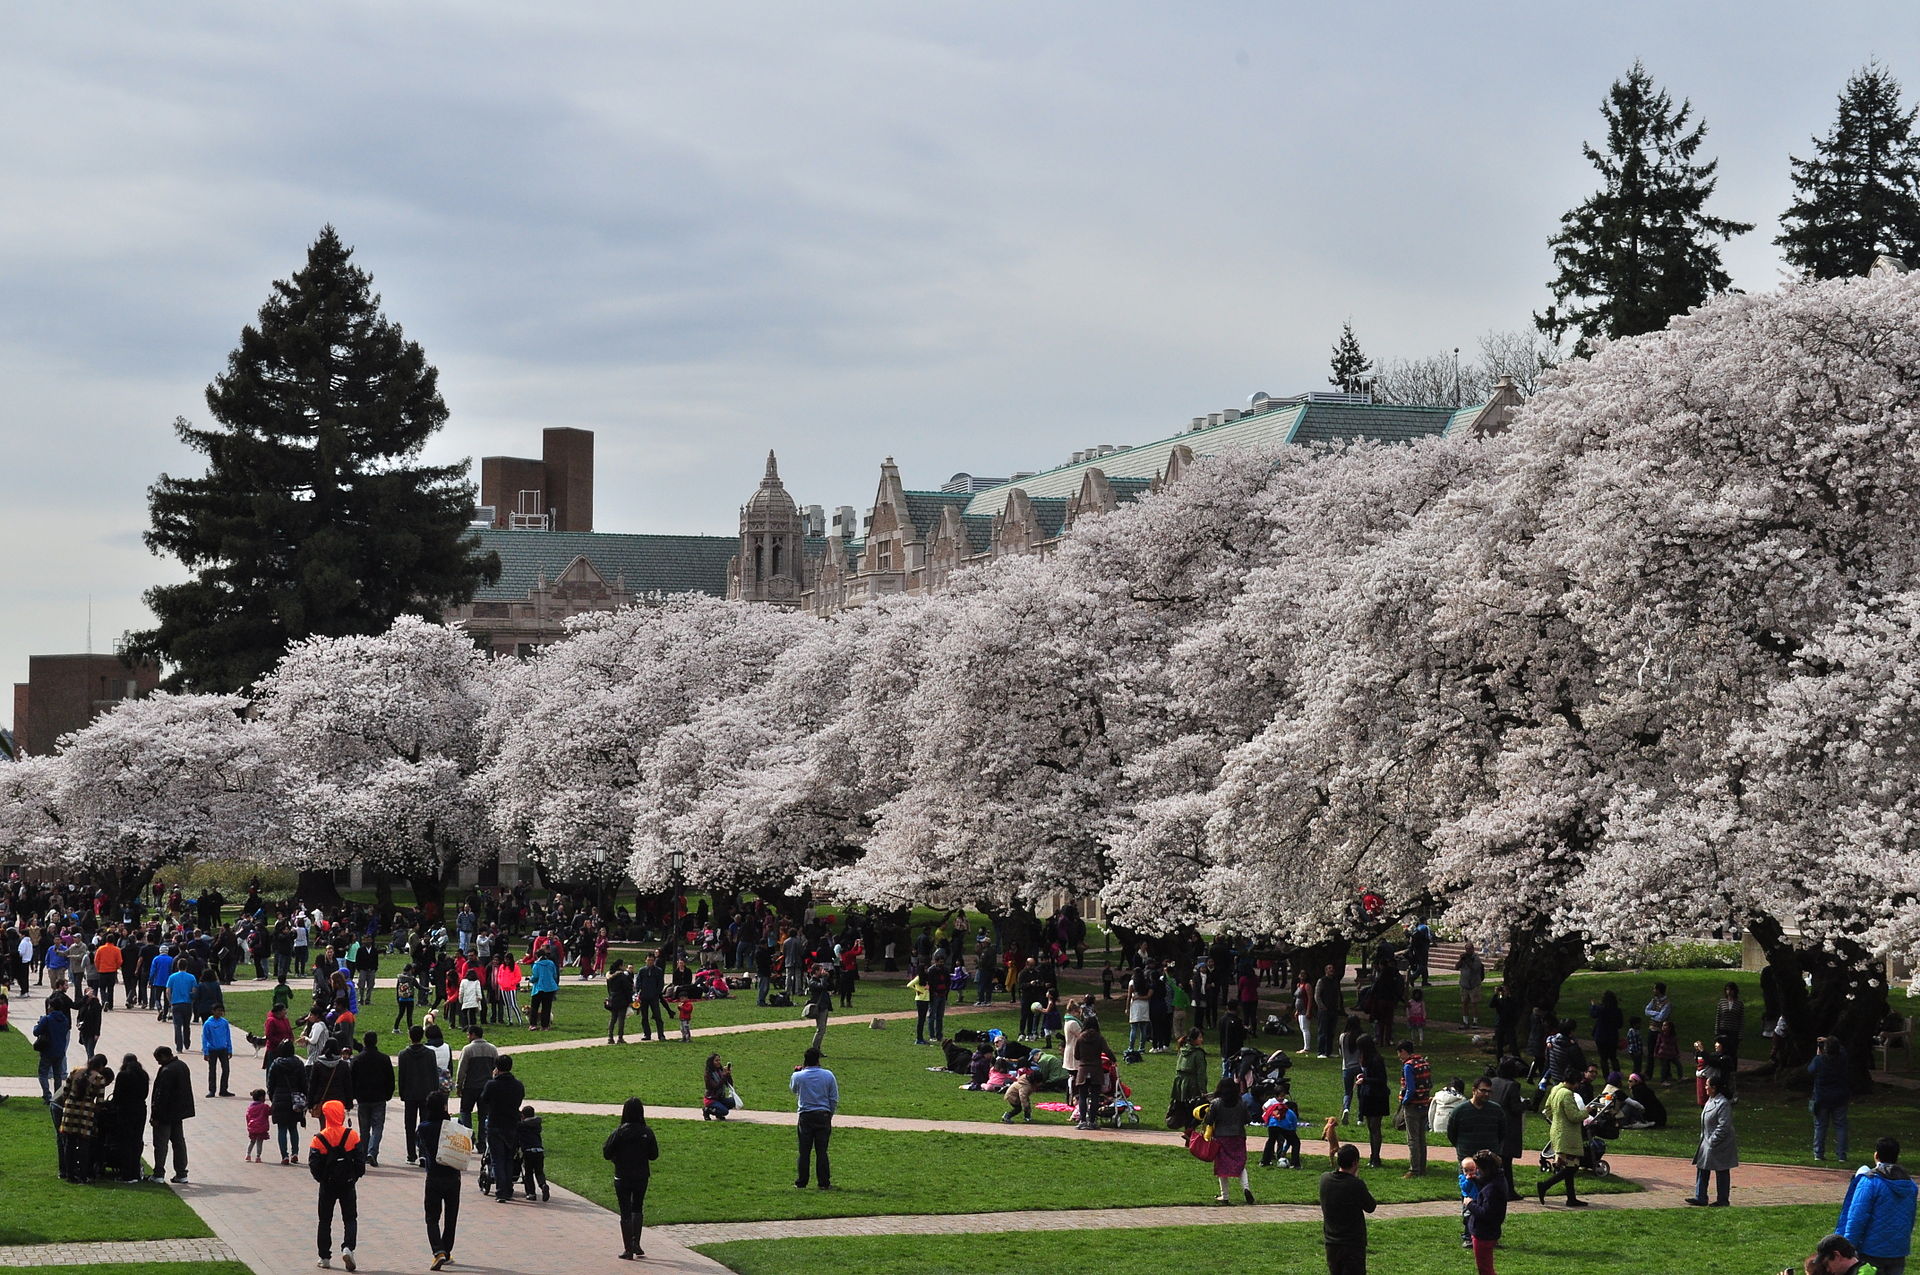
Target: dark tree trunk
x,y
1537,965
1847,999
429,894
383,900
316,889
1313,959
1015,927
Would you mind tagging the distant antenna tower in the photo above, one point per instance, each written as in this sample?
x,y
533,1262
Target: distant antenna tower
x,y
89,624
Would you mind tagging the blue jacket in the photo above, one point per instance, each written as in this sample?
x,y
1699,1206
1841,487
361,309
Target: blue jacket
x,y
1877,1214
545,976
216,1033
161,967
1831,1087
180,985
56,1029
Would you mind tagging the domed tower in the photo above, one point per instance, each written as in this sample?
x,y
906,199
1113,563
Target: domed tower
x,y
769,568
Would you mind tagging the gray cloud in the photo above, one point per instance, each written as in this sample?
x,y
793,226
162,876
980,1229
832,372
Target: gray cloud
x,y
970,236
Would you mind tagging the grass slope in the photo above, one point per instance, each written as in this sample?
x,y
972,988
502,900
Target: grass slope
x,y
1727,1242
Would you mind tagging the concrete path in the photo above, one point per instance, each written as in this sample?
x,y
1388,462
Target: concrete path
x,y
265,1213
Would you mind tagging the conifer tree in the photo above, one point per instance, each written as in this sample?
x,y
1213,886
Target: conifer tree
x,y
1859,197
314,517
1350,366
1642,248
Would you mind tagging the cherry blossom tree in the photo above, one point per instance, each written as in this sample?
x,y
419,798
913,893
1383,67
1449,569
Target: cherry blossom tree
x,y
574,733
158,779
379,738
31,827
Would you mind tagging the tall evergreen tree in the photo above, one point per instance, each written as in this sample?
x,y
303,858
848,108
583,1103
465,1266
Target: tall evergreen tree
x,y
1350,366
314,517
1859,196
1642,248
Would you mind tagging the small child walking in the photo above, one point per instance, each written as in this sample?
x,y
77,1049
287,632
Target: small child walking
x,y
1052,1020
533,1155
686,1018
1636,1045
259,1117
1417,1016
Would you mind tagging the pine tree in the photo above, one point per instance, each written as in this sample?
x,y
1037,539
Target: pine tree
x,y
1641,249
1860,197
1350,366
314,517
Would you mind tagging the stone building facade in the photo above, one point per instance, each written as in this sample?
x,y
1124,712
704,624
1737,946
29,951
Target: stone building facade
x,y
913,541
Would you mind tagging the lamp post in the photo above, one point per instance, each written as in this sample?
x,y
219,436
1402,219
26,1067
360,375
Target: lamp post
x,y
676,869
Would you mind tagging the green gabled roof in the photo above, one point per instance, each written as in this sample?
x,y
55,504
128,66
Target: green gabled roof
x,y
925,507
1051,513
650,564
1292,422
1349,423
1147,461
979,530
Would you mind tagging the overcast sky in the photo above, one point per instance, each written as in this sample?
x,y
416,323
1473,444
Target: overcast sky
x,y
970,236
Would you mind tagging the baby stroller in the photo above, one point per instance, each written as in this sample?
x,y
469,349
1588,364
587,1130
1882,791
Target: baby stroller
x,y
1602,1126
1593,1157
1115,1105
1264,1074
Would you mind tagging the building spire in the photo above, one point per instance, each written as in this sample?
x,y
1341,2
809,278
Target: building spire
x,y
772,478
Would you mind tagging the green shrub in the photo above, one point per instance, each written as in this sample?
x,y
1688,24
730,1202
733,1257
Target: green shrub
x,y
1670,956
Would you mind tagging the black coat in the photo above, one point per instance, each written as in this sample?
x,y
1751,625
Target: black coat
x,y
418,1073
633,1149
372,1076
172,1093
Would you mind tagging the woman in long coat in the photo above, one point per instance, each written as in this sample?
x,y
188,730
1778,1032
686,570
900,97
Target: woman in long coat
x,y
1718,1152
1189,1081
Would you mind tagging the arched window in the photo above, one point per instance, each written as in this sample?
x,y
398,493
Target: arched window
x,y
776,557
759,561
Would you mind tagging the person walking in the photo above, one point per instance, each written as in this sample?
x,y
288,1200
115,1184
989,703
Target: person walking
x,y
632,1148
477,1060
1566,1135
443,1180
336,1161
820,1006
1229,1114
499,1107
181,985
1877,1213
1729,1025
1416,1091
817,1097
619,1002
80,1101
416,1078
1345,1202
1718,1152
1486,1210
373,1084
287,1094
1473,976
1189,1080
1831,1092
544,979
1371,1093
216,1047
171,1108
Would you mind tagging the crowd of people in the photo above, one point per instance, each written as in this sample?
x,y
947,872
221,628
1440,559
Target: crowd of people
x,y
175,958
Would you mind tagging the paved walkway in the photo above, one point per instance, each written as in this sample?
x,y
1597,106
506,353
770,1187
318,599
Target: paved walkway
x,y
264,1213
99,1254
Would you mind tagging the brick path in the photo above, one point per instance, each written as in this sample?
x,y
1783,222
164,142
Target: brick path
x,y
96,1254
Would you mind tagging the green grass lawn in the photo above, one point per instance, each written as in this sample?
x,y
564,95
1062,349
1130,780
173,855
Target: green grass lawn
x,y
16,1051
577,1012
712,1172
41,1209
1727,1242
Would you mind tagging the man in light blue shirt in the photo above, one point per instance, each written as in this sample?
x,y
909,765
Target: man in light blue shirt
x,y
818,1096
180,985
